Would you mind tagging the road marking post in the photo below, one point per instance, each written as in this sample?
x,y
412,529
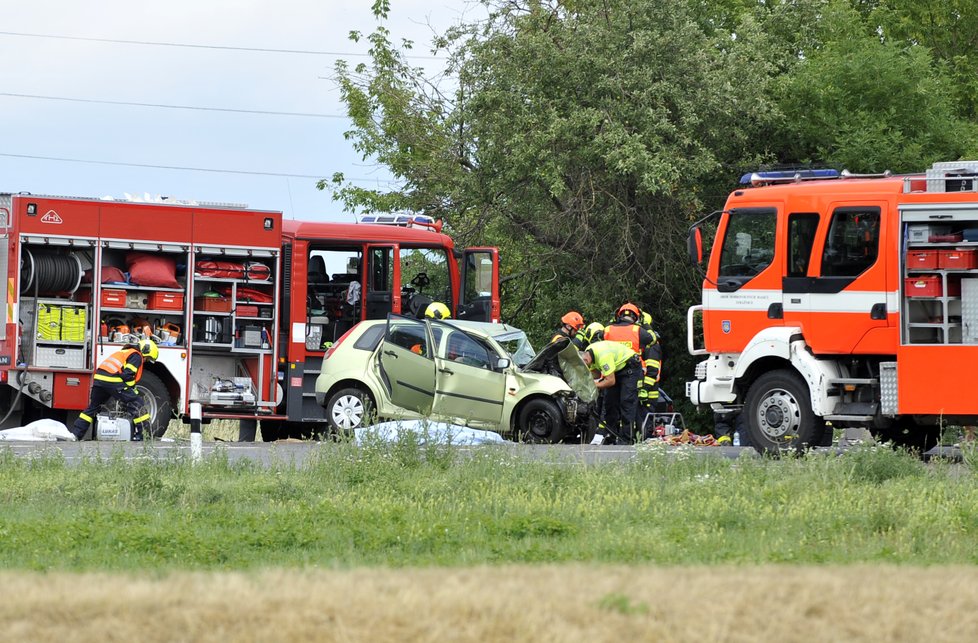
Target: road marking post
x,y
196,439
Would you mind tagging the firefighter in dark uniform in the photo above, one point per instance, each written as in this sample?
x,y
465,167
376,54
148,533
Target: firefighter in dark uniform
x,y
570,326
626,330
620,370
116,377
649,398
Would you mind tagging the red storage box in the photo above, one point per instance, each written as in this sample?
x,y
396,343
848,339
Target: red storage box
x,y
929,286
213,304
922,259
245,310
958,259
113,298
166,301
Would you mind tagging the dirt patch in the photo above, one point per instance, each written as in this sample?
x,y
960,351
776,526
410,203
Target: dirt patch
x,y
513,603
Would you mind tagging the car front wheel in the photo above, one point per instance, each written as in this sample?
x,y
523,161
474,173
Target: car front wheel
x,y
539,420
348,409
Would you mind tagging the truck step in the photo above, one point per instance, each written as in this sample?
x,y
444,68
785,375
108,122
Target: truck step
x,y
849,418
858,381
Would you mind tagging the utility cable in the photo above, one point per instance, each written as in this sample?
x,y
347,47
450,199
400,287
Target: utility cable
x,y
191,107
188,169
267,50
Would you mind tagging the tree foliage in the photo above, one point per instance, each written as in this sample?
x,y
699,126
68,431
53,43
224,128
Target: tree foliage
x,y
583,136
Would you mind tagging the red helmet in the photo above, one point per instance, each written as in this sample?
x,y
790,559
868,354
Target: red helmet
x,y
573,319
629,309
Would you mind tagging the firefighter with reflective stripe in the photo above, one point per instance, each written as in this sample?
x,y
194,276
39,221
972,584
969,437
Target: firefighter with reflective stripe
x,y
570,325
620,370
648,394
626,330
593,332
116,377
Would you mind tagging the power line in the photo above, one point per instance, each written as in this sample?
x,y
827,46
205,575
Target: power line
x,y
190,107
306,52
187,169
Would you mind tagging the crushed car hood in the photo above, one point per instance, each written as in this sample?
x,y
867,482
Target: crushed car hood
x,y
567,357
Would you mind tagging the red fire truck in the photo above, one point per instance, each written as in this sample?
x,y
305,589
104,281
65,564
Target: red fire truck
x,y
242,304
841,298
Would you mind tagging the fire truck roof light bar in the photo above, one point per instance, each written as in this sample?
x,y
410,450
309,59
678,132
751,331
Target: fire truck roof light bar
x,y
766,177
403,220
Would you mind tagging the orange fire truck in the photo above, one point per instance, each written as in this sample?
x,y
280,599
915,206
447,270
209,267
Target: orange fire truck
x,y
242,303
841,298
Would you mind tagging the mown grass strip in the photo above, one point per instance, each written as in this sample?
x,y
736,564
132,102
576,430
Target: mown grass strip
x,y
409,505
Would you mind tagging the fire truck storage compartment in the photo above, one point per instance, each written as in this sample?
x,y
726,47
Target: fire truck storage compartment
x,y
940,277
152,293
233,316
54,316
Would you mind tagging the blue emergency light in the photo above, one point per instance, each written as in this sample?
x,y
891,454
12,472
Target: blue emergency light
x,y
762,177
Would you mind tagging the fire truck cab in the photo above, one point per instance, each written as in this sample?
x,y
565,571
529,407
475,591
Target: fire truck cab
x,y
242,305
842,298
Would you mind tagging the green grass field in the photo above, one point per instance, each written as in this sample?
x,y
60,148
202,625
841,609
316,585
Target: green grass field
x,y
409,505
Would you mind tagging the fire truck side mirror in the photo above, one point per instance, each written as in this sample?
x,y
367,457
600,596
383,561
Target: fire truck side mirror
x,y
694,244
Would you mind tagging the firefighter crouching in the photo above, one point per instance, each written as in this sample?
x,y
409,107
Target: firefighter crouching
x,y
116,377
620,369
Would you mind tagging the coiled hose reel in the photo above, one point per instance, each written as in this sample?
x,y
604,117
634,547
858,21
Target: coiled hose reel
x,y
44,271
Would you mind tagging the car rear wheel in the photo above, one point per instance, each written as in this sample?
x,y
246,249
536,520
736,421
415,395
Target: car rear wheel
x,y
348,409
539,420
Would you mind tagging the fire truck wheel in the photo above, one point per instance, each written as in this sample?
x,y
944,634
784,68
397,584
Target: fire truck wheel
x,y
539,420
157,403
778,413
271,430
348,409
907,433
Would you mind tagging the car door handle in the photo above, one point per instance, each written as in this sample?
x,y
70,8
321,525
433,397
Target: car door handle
x,y
446,371
391,353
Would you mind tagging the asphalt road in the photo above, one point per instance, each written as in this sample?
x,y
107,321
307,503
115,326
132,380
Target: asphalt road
x,y
298,452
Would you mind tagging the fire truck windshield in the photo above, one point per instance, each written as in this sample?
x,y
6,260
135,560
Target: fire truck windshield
x,y
748,243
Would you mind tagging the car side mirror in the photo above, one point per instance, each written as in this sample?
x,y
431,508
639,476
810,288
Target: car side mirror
x,y
503,363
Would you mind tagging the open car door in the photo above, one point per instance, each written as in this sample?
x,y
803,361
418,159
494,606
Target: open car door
x,y
479,295
382,294
407,365
469,382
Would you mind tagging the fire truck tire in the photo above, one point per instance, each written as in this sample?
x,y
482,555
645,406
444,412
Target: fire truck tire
x,y
778,414
908,434
271,430
348,409
539,421
157,404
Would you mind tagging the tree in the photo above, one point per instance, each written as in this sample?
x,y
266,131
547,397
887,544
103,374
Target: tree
x,y
586,134
869,105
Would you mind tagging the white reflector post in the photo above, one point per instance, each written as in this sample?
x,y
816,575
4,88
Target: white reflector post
x,y
196,439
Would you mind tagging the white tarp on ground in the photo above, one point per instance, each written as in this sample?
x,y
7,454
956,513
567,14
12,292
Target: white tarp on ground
x,y
427,432
38,431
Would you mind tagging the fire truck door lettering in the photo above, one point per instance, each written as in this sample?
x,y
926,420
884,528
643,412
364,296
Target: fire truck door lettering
x,y
52,217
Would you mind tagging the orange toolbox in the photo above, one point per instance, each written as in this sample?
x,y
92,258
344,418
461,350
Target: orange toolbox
x,y
166,301
922,259
958,259
213,304
113,298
